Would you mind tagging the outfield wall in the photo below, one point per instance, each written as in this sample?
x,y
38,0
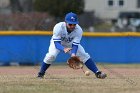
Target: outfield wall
x,y
30,47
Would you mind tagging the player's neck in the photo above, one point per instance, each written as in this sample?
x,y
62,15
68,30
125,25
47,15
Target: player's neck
x,y
68,31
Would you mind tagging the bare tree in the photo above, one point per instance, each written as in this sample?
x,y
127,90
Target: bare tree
x,y
15,6
21,5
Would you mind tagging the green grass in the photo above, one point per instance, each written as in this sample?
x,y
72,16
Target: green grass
x,y
70,81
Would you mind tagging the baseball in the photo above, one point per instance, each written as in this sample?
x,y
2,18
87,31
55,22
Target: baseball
x,y
87,73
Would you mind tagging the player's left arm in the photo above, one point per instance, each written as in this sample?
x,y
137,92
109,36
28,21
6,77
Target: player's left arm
x,y
74,48
76,42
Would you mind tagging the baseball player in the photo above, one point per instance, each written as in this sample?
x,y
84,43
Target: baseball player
x,y
66,38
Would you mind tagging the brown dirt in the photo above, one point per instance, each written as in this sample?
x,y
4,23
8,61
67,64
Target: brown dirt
x,y
65,70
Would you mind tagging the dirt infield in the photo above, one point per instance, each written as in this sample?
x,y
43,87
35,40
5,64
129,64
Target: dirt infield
x,y
112,71
62,79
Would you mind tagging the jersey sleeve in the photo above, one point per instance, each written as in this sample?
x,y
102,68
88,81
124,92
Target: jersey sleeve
x,y
74,49
57,33
78,37
57,37
76,41
58,45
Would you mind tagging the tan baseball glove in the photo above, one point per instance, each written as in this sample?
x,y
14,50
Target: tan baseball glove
x,y
75,63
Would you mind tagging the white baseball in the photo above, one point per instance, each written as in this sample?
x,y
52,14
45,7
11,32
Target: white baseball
x,y
87,73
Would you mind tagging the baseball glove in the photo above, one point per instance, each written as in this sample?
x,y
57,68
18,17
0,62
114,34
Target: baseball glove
x,y
75,63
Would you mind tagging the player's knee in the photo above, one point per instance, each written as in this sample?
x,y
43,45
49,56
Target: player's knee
x,y
49,59
85,57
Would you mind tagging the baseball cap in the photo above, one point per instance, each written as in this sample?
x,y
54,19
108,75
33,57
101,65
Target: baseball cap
x,y
71,18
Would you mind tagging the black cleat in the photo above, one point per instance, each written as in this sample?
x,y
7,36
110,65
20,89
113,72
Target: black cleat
x,y
100,75
40,75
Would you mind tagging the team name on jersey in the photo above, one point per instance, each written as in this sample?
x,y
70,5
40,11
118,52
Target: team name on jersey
x,y
68,39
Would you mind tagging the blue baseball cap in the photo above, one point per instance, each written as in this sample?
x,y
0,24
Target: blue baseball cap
x,y
71,18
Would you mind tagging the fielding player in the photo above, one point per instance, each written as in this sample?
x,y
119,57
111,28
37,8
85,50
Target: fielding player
x,y
66,38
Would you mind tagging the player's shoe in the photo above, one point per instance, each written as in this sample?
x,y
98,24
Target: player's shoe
x,y
100,75
40,75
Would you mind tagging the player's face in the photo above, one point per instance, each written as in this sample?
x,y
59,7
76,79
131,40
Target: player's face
x,y
71,27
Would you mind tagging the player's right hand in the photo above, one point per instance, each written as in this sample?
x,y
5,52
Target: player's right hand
x,y
66,50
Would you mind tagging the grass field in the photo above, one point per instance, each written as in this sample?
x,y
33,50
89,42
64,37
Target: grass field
x,y
61,79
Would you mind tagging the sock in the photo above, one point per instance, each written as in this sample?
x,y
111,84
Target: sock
x,y
91,65
44,67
